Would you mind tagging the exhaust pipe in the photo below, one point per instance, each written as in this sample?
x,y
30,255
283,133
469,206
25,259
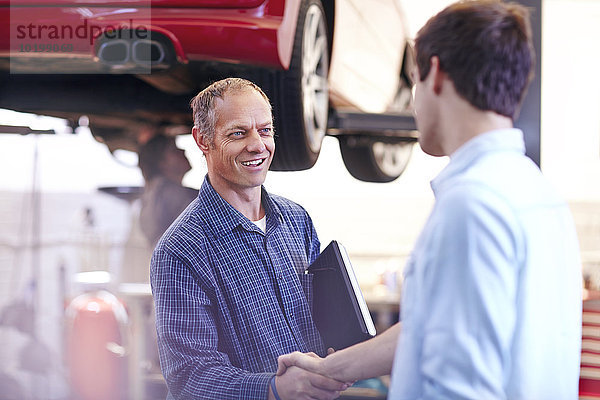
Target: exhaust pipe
x,y
114,52
146,52
135,54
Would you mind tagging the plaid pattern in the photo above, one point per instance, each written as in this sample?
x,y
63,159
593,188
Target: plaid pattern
x,y
230,299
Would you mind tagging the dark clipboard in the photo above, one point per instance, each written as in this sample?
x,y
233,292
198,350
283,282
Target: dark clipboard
x,y
339,308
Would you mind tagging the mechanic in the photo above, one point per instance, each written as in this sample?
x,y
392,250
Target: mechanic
x,y
491,298
163,166
228,276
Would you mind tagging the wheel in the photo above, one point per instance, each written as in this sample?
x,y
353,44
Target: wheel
x,y
403,101
373,160
300,95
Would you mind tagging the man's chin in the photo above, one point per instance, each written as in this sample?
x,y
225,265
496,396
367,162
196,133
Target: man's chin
x,y
431,150
256,181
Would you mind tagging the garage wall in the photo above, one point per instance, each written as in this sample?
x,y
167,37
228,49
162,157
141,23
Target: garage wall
x,y
571,116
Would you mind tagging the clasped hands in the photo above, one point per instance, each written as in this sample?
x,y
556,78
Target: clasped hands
x,y
308,376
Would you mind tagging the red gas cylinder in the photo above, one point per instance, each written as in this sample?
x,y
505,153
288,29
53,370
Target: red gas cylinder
x,y
96,347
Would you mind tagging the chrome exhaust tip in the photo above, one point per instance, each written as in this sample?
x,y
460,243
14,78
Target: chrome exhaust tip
x,y
131,54
114,52
147,53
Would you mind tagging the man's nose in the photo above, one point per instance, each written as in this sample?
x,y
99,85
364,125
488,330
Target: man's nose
x,y
255,143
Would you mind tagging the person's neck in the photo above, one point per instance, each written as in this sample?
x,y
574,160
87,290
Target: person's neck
x,y
467,123
173,177
247,201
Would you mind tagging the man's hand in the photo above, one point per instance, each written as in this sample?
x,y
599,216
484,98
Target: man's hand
x,y
307,361
310,362
373,357
296,383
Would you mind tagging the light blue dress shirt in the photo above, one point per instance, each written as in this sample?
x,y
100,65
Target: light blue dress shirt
x,y
491,303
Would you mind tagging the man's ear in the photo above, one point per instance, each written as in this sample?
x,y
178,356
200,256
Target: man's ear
x,y
200,140
437,74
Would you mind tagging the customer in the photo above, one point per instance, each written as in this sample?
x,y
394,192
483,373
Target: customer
x,y
228,276
491,300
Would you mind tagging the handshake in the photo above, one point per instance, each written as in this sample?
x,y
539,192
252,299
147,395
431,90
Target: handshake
x,y
308,376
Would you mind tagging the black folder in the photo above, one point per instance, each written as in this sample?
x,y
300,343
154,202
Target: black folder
x,y
339,308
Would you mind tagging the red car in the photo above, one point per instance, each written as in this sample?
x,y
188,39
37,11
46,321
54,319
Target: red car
x,y
329,67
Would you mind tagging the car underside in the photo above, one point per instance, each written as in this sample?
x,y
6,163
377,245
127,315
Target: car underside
x,y
126,84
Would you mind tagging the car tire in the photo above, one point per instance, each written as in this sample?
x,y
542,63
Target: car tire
x,y
373,160
300,95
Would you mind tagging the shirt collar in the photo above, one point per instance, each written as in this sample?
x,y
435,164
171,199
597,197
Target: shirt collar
x,y
222,217
491,141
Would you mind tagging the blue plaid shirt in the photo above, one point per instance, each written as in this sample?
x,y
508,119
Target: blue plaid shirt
x,y
230,299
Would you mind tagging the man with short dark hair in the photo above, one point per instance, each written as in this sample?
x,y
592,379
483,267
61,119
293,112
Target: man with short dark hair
x,y
228,278
491,297
163,166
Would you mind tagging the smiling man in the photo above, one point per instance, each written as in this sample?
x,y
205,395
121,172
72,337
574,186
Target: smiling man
x,y
228,276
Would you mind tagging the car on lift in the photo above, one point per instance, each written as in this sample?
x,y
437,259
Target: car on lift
x,y
330,67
